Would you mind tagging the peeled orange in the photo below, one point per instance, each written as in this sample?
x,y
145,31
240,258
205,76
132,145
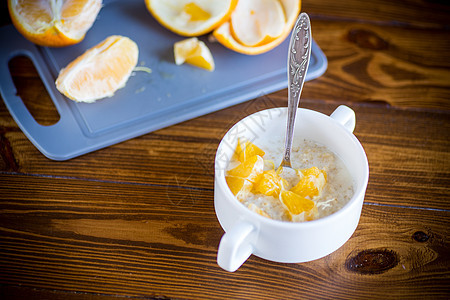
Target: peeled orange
x,y
100,71
54,23
190,17
257,26
194,52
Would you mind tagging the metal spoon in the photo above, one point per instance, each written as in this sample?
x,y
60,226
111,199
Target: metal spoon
x,y
298,62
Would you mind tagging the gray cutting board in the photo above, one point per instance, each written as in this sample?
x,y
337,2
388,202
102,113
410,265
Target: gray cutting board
x,y
169,95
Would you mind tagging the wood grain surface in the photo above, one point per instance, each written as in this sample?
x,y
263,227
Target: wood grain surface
x,y
136,220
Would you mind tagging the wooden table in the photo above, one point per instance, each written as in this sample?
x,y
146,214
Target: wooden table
x,y
136,220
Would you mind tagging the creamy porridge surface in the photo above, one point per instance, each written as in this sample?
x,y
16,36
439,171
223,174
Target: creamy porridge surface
x,y
305,154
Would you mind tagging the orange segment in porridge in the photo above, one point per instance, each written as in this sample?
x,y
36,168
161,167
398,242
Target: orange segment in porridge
x,y
246,150
240,187
297,205
311,182
269,183
306,216
314,171
249,169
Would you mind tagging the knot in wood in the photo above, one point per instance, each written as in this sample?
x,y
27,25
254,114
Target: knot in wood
x,y
372,261
420,236
367,39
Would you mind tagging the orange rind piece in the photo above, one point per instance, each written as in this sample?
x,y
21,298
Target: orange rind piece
x,y
264,33
191,17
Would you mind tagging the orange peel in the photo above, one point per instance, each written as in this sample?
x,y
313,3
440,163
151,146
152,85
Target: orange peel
x,y
191,17
226,33
257,22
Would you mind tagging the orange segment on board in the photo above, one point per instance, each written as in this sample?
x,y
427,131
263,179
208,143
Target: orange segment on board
x,y
191,17
194,52
54,23
100,71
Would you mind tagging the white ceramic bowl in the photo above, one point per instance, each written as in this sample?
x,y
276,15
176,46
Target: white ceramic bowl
x,y
248,233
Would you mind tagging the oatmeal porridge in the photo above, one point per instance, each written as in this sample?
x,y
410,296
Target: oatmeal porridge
x,y
318,185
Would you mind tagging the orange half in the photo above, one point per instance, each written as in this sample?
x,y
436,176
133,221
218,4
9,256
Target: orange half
x,y
54,23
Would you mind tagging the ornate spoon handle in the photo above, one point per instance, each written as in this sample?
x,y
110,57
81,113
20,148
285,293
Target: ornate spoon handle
x,y
298,62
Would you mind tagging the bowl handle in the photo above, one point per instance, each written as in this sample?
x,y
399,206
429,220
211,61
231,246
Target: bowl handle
x,y
346,116
236,246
